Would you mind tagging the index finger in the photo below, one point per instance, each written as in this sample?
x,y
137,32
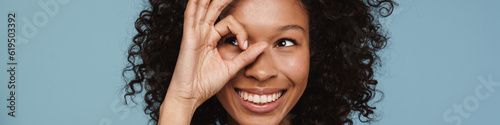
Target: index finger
x,y
231,25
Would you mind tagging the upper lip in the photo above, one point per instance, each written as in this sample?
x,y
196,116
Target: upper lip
x,y
260,91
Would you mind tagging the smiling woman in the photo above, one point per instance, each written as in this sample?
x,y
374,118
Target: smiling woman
x,y
266,61
268,88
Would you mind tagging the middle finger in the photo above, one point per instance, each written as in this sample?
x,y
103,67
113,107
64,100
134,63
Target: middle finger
x,y
215,9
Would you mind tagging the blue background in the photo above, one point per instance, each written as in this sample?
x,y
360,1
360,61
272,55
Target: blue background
x,y
69,72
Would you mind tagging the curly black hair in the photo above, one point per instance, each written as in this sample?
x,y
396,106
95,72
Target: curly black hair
x,y
345,36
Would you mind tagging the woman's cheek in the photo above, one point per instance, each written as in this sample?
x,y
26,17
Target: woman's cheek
x,y
297,67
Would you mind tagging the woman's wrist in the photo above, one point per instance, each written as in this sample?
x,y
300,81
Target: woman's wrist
x,y
176,110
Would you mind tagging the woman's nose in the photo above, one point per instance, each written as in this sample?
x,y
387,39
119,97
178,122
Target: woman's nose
x,y
263,68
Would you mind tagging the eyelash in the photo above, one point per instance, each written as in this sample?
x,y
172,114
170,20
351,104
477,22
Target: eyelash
x,y
277,44
232,40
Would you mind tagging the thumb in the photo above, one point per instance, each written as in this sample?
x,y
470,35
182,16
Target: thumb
x,y
246,57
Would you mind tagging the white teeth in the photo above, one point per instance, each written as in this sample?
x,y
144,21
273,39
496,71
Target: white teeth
x,y
256,99
250,97
263,99
259,99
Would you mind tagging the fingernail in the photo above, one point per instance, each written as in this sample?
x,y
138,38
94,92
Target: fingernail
x,y
245,44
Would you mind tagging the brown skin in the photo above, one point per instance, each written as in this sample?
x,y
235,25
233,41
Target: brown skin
x,y
282,67
206,67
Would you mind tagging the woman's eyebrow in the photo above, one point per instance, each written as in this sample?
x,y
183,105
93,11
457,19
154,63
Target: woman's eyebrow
x,y
291,27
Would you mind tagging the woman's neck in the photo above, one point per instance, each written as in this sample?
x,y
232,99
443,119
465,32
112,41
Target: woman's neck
x,y
285,121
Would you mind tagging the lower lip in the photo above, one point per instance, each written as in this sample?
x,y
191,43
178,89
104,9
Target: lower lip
x,y
262,108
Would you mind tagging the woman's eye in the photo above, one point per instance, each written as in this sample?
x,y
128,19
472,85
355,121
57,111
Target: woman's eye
x,y
231,40
285,42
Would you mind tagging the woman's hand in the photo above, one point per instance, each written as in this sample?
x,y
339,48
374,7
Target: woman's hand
x,y
200,71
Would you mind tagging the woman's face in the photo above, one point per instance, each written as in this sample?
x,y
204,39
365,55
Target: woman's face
x,y
266,90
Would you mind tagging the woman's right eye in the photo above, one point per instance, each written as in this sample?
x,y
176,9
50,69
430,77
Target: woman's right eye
x,y
231,40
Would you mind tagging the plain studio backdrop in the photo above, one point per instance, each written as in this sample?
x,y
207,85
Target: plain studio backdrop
x,y
441,66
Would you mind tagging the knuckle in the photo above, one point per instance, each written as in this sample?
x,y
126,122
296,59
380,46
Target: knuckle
x,y
204,5
229,17
188,15
219,8
211,21
246,57
233,21
201,22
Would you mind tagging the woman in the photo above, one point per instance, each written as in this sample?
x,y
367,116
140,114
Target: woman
x,y
266,61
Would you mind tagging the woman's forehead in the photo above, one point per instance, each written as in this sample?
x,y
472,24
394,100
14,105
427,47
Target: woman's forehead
x,y
268,12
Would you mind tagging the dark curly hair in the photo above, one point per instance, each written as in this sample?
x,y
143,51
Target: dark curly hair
x,y
345,36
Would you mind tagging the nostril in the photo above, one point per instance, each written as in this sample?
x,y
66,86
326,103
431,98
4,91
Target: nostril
x,y
262,68
262,76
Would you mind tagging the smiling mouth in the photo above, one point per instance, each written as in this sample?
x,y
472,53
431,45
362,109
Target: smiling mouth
x,y
260,99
